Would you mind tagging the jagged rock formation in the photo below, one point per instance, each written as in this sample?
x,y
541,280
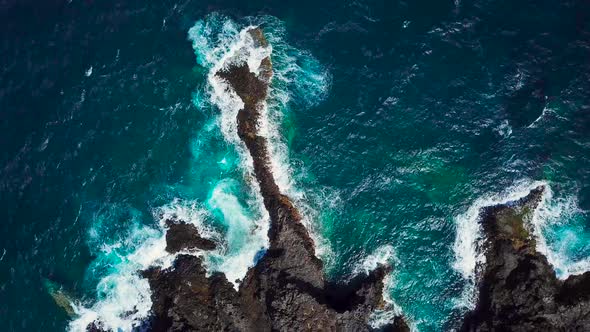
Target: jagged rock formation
x,y
519,290
182,236
286,290
185,299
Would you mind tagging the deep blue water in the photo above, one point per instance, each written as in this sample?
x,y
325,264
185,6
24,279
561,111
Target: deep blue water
x,y
391,124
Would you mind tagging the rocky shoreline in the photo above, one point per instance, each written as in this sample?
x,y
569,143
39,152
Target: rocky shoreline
x,y
519,290
287,291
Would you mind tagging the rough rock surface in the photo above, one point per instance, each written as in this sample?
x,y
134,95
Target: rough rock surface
x,y
185,299
519,290
286,290
182,236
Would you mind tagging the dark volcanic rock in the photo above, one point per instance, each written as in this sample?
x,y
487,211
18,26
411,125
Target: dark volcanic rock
x,y
181,236
286,290
519,290
185,299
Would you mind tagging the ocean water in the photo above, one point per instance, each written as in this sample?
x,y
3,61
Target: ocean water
x,y
390,125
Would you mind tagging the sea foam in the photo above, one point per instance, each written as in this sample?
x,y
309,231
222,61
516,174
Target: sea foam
x,y
299,80
245,235
123,296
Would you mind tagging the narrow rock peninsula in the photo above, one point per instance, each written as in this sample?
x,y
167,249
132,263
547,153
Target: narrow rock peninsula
x,y
519,290
286,290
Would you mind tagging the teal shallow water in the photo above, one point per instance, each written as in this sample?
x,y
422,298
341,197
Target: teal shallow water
x,y
391,122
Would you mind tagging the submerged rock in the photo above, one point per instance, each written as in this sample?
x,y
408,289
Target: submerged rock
x,y
60,296
519,290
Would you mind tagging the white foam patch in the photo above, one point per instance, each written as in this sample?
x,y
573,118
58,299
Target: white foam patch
x,y
504,129
555,214
256,56
123,296
380,318
190,212
546,110
245,235
218,43
470,259
384,255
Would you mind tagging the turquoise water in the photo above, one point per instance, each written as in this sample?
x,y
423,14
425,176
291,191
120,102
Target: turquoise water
x,y
390,125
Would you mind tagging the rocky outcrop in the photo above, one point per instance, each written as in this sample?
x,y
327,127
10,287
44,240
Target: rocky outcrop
x,y
185,299
286,290
519,290
182,236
